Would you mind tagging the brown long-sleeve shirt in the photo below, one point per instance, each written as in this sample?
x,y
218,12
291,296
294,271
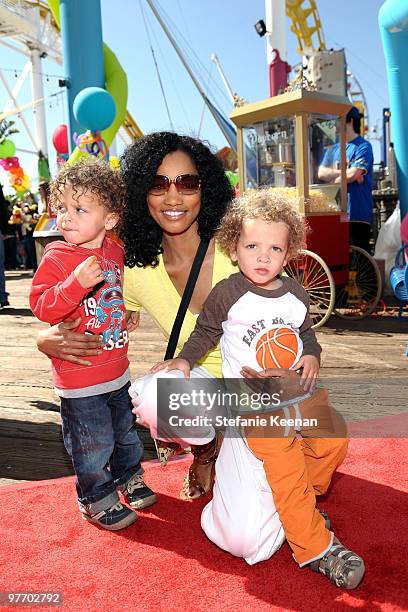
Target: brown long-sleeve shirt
x,y
259,328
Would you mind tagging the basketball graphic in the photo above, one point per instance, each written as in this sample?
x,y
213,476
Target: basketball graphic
x,y
277,348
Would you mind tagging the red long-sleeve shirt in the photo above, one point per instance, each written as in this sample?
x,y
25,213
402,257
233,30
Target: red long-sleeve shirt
x,y
57,295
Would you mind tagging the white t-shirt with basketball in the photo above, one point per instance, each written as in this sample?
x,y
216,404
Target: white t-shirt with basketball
x,y
259,328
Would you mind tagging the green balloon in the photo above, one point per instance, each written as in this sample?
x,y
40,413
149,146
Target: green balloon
x,y
232,177
7,149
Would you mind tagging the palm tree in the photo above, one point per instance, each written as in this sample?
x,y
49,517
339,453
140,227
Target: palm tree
x,y
6,130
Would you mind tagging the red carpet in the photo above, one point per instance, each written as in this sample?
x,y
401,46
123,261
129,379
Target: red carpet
x,y
165,563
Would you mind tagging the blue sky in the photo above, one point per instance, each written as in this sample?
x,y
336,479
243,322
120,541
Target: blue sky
x,y
221,26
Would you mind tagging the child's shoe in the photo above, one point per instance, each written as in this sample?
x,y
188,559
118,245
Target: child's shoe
x,y
115,518
137,493
342,567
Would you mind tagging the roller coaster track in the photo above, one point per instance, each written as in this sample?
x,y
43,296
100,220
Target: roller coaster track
x,y
17,24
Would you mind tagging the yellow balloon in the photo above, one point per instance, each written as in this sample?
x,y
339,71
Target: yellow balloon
x,y
26,182
114,162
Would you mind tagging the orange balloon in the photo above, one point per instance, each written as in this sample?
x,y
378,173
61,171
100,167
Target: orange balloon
x,y
17,171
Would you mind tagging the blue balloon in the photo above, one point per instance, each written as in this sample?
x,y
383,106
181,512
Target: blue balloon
x,y
94,108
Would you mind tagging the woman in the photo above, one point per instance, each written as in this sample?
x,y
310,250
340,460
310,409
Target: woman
x,y
177,195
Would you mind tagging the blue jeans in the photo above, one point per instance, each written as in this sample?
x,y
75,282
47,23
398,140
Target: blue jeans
x,y
3,292
101,438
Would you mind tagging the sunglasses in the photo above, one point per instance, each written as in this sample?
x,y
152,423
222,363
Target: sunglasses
x,y
186,184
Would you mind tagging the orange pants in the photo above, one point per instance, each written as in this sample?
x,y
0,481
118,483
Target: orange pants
x,y
299,468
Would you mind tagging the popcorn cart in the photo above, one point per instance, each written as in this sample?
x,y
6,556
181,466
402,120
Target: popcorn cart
x,y
281,143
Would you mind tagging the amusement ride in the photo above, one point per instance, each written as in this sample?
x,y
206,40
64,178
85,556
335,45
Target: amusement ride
x,y
277,141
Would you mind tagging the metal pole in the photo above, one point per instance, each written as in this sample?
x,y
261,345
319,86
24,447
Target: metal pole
x,y
17,87
22,119
216,61
83,53
37,93
275,15
187,67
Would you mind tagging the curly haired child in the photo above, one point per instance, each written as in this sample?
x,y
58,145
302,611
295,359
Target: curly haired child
x,y
81,279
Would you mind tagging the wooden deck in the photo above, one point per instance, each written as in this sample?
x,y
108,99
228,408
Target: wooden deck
x,y
363,362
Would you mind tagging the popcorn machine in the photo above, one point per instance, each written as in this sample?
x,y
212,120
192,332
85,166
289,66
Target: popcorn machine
x,y
282,142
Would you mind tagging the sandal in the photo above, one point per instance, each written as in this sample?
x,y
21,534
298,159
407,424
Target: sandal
x,y
201,474
167,450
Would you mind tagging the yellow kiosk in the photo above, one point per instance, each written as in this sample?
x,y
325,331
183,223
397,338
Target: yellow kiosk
x,y
281,142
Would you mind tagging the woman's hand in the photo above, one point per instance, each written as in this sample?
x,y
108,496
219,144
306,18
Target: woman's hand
x,y
309,364
61,342
132,320
290,382
270,373
172,364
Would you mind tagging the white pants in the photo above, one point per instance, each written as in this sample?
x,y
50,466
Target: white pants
x,y
241,518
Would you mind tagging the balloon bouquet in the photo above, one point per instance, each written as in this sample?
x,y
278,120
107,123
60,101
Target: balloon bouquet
x,y
10,163
95,109
17,178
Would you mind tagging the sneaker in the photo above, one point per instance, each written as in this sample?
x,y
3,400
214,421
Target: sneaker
x,y
115,518
4,304
342,567
137,493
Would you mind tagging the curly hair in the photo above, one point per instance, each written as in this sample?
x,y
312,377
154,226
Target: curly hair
x,y
91,175
141,235
270,204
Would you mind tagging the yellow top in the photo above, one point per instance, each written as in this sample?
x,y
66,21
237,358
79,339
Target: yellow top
x,y
152,289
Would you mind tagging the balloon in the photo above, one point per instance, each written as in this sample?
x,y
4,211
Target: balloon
x,y
232,177
16,171
114,162
92,143
26,182
14,160
20,183
94,108
60,139
10,162
7,149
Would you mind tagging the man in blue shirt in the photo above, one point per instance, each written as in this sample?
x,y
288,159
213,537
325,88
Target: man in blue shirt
x,y
359,175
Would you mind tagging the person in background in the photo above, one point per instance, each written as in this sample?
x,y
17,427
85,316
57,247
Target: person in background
x,y
43,194
359,176
29,217
4,217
